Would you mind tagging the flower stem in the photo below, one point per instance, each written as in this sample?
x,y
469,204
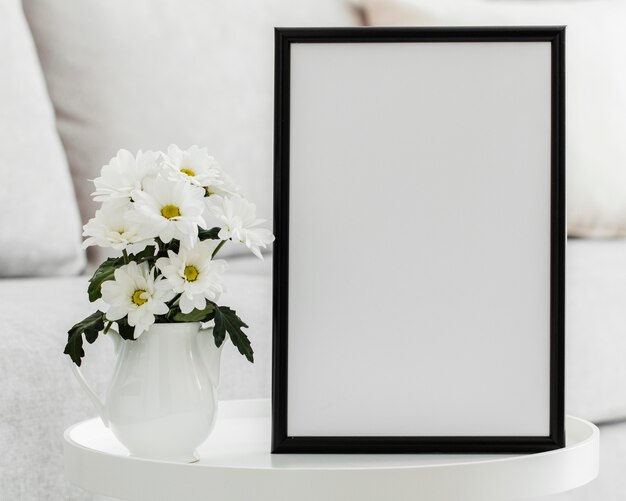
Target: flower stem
x,y
125,254
217,249
107,327
173,304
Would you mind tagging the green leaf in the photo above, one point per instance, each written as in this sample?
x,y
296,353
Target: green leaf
x,y
104,272
196,315
144,255
126,331
90,327
219,329
209,234
173,245
226,320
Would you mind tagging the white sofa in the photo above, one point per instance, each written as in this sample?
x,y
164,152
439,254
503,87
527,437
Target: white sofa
x,y
142,75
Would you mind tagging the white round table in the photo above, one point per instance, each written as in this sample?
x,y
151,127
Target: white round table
x,y
236,465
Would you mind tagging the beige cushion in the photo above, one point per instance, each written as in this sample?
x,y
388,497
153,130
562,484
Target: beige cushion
x,y
39,224
145,73
596,90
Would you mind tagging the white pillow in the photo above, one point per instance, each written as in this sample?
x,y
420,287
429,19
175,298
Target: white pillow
x,y
596,90
39,223
143,74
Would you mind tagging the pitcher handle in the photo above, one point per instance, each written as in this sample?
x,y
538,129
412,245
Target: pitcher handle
x,y
95,399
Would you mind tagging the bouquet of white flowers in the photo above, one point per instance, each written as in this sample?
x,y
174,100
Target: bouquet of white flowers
x,y
169,214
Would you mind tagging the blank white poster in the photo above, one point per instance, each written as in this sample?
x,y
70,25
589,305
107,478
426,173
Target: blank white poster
x,y
419,244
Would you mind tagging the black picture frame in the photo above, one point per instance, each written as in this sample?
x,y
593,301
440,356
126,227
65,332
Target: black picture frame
x,y
281,441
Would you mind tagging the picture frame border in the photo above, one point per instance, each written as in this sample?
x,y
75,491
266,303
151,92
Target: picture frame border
x,y
281,442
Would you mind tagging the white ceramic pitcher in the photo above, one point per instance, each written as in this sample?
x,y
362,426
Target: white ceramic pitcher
x,y
162,399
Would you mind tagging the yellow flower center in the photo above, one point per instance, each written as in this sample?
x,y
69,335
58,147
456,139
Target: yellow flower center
x,y
170,211
191,273
137,299
187,171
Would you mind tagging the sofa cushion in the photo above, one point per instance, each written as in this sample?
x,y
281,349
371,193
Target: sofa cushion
x,y
596,329
596,99
142,75
39,223
40,397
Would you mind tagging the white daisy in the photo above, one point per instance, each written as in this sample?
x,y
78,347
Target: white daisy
x,y
111,227
136,293
238,221
124,174
199,168
169,209
226,186
192,274
194,165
